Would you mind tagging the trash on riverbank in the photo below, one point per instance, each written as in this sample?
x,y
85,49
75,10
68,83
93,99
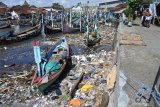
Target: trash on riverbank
x,y
84,85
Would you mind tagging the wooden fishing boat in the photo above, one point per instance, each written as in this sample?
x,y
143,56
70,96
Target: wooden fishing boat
x,y
14,22
5,18
51,30
25,22
93,41
4,26
74,21
92,38
15,37
58,53
67,29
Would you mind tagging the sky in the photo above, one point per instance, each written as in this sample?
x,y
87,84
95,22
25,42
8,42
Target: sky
x,y
41,3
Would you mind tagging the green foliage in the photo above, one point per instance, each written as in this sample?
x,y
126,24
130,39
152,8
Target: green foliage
x,y
57,6
78,4
132,6
128,11
147,1
26,4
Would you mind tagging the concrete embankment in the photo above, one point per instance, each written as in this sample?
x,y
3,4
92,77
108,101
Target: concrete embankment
x,y
137,63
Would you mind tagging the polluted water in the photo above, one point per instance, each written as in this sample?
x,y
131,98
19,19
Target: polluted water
x,y
84,83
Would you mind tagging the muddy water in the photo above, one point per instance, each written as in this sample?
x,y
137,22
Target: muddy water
x,y
14,28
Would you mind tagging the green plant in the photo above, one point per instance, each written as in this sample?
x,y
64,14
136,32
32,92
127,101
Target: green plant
x,y
129,13
132,6
57,6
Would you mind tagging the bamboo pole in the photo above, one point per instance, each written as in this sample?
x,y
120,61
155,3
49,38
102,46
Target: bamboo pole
x,y
52,18
80,21
70,23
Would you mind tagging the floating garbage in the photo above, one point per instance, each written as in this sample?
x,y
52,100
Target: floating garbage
x,y
87,84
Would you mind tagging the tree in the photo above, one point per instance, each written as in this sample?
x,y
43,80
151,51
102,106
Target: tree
x,y
129,12
132,6
26,4
57,6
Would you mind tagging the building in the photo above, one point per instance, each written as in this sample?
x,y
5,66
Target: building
x,y
110,4
3,8
119,8
24,9
33,7
26,3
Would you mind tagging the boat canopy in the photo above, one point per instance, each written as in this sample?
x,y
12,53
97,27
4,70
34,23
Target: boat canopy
x,y
51,9
77,8
14,15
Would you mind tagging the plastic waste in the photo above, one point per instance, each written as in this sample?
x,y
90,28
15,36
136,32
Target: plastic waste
x,y
86,87
93,70
54,97
75,102
85,77
74,60
73,78
95,63
89,59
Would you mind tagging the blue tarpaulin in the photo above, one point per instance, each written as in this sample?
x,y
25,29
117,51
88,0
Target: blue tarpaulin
x,y
52,66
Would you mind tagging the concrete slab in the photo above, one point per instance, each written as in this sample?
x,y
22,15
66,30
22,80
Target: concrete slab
x,y
138,62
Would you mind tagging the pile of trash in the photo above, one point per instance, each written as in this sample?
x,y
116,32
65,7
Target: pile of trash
x,y
107,35
74,39
14,87
90,82
95,86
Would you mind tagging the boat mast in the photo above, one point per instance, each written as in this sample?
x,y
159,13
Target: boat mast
x,y
80,20
42,27
62,21
96,16
52,18
32,19
87,22
87,11
70,23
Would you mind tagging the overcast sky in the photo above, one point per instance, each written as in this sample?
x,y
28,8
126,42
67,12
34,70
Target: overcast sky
x,y
66,3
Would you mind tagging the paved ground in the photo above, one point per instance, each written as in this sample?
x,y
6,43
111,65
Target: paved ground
x,y
137,62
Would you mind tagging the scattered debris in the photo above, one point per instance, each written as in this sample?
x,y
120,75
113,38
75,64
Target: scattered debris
x,y
89,82
75,102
